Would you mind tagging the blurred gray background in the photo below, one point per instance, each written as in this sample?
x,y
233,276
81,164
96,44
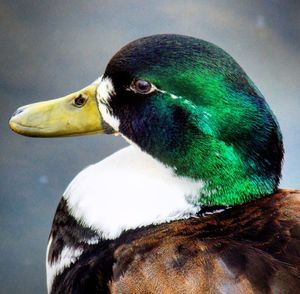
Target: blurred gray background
x,y
50,48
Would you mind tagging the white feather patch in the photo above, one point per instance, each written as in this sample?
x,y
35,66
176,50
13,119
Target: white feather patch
x,y
127,190
66,258
108,117
104,92
105,89
49,273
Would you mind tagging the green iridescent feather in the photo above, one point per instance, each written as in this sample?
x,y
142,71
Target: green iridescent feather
x,y
207,120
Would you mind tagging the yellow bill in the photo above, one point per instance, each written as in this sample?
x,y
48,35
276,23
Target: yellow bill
x,y
72,115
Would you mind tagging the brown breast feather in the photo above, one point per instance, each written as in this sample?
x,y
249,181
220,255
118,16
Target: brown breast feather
x,y
252,248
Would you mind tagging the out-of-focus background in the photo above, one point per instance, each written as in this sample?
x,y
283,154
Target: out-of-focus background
x,y
50,48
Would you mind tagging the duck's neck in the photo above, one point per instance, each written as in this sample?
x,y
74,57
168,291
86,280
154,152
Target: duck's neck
x,y
230,175
130,189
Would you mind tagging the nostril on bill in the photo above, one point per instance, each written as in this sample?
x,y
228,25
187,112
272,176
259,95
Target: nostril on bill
x,y
18,111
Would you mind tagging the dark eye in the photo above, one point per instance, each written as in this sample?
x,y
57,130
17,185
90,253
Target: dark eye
x,y
79,101
142,87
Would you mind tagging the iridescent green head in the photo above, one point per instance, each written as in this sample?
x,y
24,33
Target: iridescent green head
x,y
191,106
187,103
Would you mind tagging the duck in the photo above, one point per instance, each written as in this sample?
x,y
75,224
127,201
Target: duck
x,y
193,204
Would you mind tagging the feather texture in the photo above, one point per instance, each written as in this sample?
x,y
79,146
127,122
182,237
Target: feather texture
x,y
251,248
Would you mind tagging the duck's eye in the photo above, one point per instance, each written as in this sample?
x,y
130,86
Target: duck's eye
x,y
142,87
79,101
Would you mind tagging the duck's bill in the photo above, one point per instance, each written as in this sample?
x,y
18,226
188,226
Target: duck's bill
x,y
72,115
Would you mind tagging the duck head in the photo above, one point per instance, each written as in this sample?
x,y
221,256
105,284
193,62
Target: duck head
x,y
188,104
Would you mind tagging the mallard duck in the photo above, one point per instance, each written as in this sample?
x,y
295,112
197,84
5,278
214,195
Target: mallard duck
x,y
193,204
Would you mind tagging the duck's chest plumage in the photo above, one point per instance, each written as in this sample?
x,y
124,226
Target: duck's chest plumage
x,y
247,249
127,190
